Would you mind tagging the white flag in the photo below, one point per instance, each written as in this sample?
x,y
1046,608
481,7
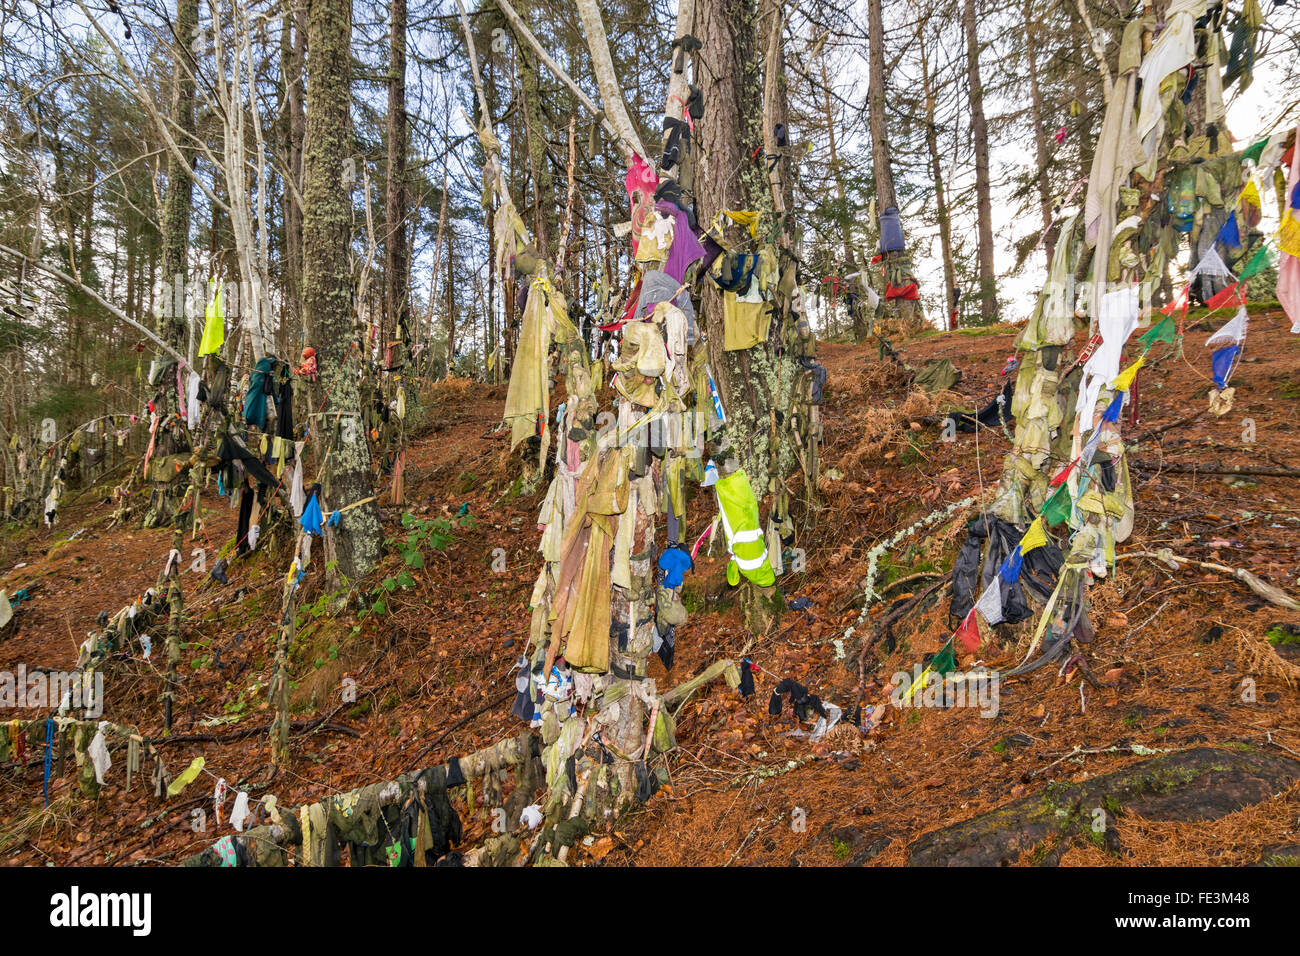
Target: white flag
x,y
990,603
1232,333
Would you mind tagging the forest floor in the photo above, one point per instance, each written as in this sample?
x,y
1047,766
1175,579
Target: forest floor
x,y
433,674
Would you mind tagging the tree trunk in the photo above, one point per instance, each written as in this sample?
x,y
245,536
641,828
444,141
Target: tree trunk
x,y
940,198
172,324
729,134
451,301
177,199
327,286
755,385
861,319
1040,132
881,162
980,144
295,63
397,299
611,94
535,137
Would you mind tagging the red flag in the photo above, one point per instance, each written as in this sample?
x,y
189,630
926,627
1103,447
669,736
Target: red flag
x,y
1178,304
628,310
968,635
1062,474
1229,295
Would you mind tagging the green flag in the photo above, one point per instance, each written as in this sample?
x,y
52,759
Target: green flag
x,y
1163,331
945,662
1254,150
1260,260
1057,508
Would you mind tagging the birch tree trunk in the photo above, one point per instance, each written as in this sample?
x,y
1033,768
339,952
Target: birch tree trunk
x,y
613,118
611,94
246,172
327,286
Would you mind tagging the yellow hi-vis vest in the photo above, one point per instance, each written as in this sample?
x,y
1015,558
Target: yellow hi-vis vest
x,y
745,540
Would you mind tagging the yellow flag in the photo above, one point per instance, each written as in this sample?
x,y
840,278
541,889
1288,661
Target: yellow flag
x,y
744,217
1249,204
1250,200
1288,237
186,777
1124,380
915,688
1035,537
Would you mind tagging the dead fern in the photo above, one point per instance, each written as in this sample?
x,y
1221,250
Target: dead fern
x,y
1261,658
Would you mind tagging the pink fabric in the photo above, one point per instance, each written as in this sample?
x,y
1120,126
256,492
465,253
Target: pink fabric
x,y
699,541
640,178
1288,270
153,438
641,183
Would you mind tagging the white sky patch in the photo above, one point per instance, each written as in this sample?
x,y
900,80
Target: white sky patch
x,y
1251,115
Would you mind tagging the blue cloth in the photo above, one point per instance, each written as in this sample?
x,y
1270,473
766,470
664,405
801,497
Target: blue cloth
x,y
312,518
717,400
49,753
1010,570
891,231
259,386
1295,197
1222,362
1229,235
675,562
1114,408
736,278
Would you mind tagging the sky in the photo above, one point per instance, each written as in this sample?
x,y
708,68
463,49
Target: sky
x,y
1250,115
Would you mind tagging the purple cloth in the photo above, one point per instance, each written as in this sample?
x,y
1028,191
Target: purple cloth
x,y
686,247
